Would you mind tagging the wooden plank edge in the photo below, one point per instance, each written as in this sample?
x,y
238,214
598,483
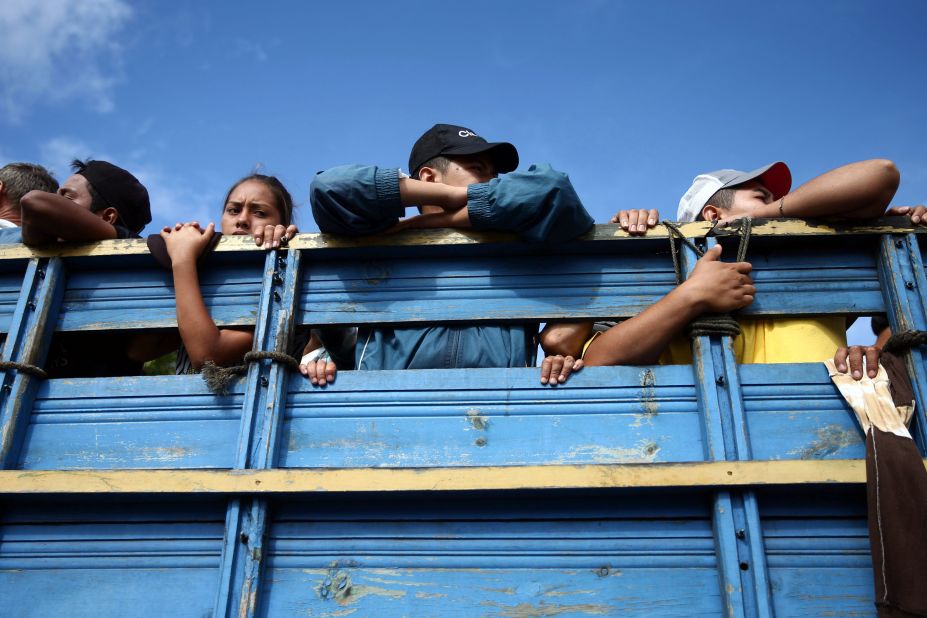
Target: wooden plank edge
x,y
595,476
314,241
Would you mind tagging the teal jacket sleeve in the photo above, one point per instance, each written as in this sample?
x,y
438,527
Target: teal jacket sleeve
x,y
540,205
354,200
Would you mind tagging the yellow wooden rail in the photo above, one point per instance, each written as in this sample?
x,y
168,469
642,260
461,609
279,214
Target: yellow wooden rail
x,y
763,227
712,474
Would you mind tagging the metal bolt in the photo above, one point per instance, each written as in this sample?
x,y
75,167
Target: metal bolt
x,y
899,243
277,279
909,285
741,534
602,572
277,296
7,388
264,381
744,566
32,305
244,537
720,380
41,274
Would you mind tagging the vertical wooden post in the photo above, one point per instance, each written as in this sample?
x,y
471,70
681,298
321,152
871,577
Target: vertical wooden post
x,y
735,520
264,403
28,341
901,273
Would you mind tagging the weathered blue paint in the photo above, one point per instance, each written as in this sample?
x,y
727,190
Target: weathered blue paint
x,y
899,260
515,553
264,400
27,342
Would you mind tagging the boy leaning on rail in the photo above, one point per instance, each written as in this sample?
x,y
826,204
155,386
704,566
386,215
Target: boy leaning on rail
x,y
99,201
454,180
859,190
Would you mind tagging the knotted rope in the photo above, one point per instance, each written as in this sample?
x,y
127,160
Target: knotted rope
x,y
904,341
32,370
218,379
709,324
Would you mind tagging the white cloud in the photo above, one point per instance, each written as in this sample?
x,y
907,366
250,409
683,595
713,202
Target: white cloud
x,y
59,50
56,154
250,49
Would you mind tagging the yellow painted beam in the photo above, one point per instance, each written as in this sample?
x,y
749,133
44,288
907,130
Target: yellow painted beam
x,y
764,227
711,474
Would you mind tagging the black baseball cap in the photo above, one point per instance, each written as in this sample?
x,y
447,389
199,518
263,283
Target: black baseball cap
x,y
449,140
120,190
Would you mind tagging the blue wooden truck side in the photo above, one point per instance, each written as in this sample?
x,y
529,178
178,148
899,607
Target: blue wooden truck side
x,y
704,490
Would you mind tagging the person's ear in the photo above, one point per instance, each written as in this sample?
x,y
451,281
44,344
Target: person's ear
x,y
110,215
428,174
711,213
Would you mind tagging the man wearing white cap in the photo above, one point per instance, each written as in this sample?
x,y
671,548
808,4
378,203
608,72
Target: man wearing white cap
x,y
859,190
855,191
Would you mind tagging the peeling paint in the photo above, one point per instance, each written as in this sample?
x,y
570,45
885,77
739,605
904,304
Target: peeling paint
x,y
556,591
645,451
163,453
340,612
338,586
477,420
480,442
500,590
543,609
648,393
831,438
429,595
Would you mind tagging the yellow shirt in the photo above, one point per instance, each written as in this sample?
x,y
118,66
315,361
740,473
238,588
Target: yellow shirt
x,y
800,340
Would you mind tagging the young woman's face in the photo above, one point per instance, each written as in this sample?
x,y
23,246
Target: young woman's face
x,y
250,204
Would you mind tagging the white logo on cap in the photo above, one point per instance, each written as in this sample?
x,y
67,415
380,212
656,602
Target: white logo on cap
x,y
466,133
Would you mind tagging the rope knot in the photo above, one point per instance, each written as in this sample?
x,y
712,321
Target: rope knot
x,y
218,379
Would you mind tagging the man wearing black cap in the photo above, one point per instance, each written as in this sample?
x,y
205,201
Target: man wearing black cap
x,y
99,201
454,182
453,179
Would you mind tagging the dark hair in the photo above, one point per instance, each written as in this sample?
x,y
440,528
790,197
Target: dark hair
x,y
20,178
96,202
282,198
723,199
439,163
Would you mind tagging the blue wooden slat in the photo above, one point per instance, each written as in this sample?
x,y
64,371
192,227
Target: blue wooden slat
x,y
27,343
10,285
492,417
435,418
109,560
817,548
144,297
613,554
464,287
548,287
795,412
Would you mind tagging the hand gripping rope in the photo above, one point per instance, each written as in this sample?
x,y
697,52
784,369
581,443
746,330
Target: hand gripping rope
x,y
708,324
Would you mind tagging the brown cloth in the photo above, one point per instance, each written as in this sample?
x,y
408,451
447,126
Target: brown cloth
x,y
896,491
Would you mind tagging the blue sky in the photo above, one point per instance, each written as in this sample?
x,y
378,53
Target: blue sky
x,y
632,99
